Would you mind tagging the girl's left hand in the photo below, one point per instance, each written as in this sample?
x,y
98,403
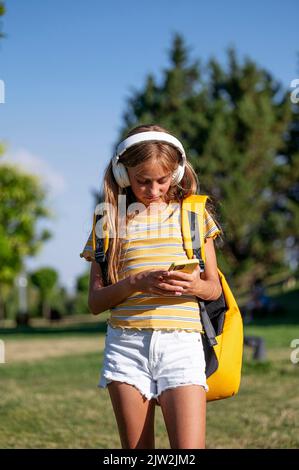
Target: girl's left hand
x,y
189,282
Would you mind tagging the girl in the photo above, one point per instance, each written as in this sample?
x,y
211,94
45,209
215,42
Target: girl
x,y
153,350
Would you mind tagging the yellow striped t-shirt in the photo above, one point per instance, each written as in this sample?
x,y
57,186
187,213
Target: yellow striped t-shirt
x,y
154,240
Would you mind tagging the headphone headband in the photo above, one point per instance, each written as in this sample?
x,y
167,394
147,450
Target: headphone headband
x,y
148,136
119,170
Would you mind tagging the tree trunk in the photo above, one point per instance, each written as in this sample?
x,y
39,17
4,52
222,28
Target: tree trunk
x,y
2,310
45,309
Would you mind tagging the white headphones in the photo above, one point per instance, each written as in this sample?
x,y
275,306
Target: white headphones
x,y
119,170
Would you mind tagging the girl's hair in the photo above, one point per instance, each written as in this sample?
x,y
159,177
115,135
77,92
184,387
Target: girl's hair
x,y
168,157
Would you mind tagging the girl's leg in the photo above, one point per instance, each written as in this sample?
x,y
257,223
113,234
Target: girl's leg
x,y
135,416
184,411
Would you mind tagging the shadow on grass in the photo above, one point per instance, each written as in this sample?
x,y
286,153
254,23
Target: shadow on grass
x,y
286,313
256,367
80,328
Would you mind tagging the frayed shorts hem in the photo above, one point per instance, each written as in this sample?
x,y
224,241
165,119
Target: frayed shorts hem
x,y
109,377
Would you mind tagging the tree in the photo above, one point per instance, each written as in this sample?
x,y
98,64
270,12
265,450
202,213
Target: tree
x,y
80,298
82,283
286,185
22,202
45,279
234,124
2,12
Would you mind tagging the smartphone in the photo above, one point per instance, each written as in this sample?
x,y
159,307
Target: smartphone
x,y
187,266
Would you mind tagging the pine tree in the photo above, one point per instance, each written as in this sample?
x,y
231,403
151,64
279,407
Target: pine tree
x,y
235,125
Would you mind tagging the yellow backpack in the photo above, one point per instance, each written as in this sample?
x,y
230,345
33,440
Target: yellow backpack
x,y
221,318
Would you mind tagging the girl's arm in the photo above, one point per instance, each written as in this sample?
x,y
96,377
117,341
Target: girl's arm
x,y
100,297
205,285
210,286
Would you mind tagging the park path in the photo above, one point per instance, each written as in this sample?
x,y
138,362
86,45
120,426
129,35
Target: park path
x,y
31,350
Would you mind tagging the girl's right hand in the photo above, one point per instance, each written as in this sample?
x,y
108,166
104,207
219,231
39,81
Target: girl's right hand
x,y
151,282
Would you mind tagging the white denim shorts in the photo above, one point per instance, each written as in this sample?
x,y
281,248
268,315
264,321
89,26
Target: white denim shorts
x,y
153,360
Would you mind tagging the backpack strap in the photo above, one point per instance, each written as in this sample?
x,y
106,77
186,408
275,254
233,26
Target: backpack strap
x,y
193,236
193,226
100,247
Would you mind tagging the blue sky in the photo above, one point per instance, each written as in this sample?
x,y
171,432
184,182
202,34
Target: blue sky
x,y
69,67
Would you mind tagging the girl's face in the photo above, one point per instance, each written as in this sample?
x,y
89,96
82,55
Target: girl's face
x,y
149,182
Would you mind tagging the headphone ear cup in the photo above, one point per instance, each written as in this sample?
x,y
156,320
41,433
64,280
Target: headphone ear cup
x,y
178,175
120,174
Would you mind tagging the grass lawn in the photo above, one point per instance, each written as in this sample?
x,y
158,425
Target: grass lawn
x,y
50,399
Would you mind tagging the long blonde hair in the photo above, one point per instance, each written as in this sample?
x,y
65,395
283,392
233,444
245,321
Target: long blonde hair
x,y
168,157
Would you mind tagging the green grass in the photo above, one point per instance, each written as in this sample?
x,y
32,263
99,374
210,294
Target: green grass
x,y
55,403
275,336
